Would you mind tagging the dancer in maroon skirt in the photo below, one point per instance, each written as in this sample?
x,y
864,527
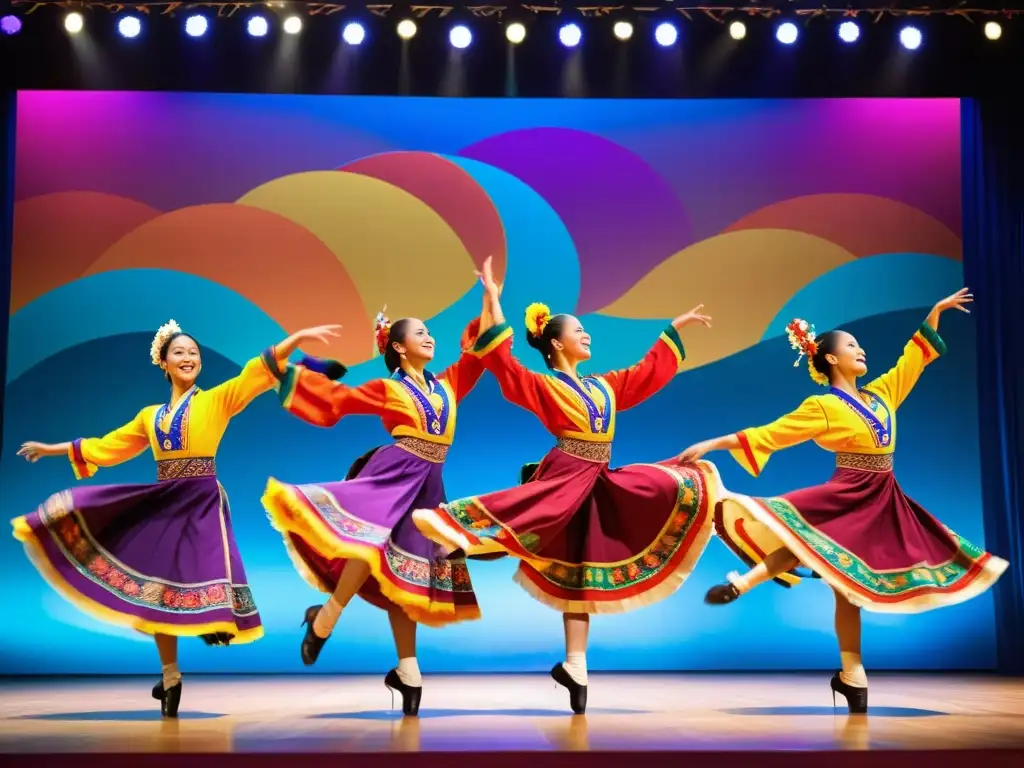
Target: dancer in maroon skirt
x,y
590,539
356,536
158,557
874,546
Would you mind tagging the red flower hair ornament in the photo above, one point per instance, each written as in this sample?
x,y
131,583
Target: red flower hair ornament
x,y
803,340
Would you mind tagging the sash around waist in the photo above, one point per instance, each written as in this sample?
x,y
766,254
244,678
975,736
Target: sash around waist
x,y
865,462
177,469
600,453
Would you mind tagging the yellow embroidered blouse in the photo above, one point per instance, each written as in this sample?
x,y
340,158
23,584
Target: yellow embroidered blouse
x,y
840,423
190,428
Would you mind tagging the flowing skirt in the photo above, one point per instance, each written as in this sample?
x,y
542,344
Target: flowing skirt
x,y
866,538
590,539
157,557
368,518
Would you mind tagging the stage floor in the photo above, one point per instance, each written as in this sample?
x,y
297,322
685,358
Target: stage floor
x,y
490,714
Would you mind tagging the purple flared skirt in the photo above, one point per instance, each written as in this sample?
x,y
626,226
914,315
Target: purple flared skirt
x,y
369,518
158,557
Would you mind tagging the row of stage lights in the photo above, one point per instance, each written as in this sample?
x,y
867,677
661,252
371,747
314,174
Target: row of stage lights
x,y
570,35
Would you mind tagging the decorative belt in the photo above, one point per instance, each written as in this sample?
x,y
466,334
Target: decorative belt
x,y
175,469
426,450
586,450
867,462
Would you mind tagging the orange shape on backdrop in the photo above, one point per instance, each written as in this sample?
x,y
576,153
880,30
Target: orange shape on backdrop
x,y
865,225
57,237
274,263
451,192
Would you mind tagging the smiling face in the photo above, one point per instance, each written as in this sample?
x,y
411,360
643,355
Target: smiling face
x,y
182,361
846,356
572,341
416,344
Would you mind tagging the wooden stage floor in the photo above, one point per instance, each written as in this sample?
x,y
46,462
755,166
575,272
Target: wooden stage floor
x,y
755,720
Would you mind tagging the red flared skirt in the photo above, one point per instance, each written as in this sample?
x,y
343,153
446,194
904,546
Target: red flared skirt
x,y
860,533
590,539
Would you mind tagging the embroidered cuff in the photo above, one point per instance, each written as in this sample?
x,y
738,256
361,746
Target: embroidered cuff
x,y
269,358
931,336
671,337
286,388
82,468
491,339
332,369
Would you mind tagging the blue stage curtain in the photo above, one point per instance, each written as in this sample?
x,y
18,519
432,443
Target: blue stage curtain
x,y
993,237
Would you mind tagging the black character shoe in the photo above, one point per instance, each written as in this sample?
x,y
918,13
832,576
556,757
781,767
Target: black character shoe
x,y
856,697
312,643
577,692
169,698
722,594
410,695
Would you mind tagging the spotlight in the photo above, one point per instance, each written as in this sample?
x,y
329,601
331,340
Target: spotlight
x,y
353,33
515,33
460,36
129,26
570,35
292,25
910,37
196,26
73,23
407,29
11,25
993,30
665,34
257,26
849,32
737,30
623,30
787,33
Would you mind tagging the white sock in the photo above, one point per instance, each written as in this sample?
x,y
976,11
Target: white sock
x,y
409,672
853,670
576,665
172,675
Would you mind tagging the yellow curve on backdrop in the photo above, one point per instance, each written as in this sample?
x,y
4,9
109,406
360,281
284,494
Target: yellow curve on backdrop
x,y
742,278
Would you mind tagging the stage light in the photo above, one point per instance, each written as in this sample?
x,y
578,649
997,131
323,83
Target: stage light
x,y
353,33
910,37
407,29
737,30
849,32
257,26
623,30
460,36
993,30
570,35
787,33
292,25
196,26
129,27
515,33
11,25
665,34
73,23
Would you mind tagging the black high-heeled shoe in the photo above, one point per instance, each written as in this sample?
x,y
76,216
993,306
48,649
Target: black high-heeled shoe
x,y
577,692
169,698
410,695
722,594
856,697
312,643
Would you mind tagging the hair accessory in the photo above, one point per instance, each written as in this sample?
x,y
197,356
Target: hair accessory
x,y
537,317
803,340
381,329
164,332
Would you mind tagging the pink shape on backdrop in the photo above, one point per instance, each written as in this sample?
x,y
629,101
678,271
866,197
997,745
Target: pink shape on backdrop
x,y
450,192
865,225
623,217
58,236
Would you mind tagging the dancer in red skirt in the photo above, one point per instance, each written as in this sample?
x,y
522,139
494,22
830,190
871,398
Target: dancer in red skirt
x,y
590,539
874,546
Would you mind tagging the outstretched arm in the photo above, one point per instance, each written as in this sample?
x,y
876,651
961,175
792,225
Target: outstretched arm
x,y
658,367
88,454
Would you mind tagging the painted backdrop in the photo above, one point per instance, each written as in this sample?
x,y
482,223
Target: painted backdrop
x,y
247,216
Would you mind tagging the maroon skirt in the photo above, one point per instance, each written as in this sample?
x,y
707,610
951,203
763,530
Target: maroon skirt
x,y
590,539
860,533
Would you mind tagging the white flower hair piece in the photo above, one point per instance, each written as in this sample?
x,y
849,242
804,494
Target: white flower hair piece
x,y
166,331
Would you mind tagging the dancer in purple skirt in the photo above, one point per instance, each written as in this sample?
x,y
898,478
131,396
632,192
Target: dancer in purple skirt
x,y
356,536
158,557
876,547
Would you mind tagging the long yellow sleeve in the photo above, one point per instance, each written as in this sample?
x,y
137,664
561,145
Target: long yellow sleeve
x,y
924,348
757,444
123,444
235,394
